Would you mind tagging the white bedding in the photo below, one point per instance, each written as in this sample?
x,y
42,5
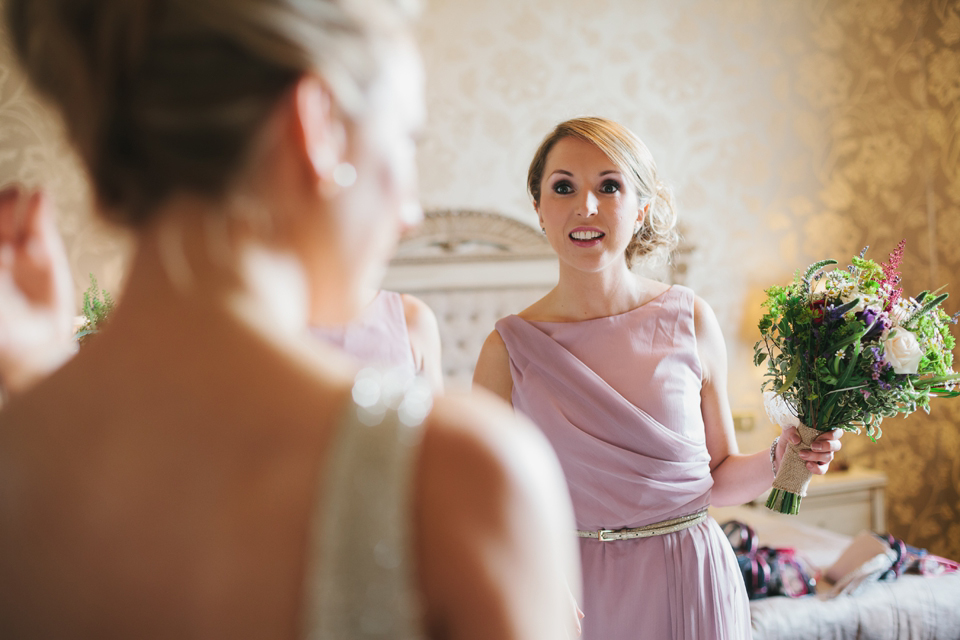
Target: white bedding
x,y
908,608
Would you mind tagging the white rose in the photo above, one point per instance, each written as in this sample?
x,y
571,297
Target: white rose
x,y
901,350
779,412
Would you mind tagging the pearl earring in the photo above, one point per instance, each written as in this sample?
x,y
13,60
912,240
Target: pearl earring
x,y
344,175
636,227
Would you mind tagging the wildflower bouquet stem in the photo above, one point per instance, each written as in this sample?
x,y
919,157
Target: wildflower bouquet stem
x,y
793,477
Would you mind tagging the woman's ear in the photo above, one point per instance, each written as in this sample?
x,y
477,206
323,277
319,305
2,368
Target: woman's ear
x,y
643,213
319,132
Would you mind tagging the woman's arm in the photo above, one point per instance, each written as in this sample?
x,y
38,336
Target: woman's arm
x,y
424,339
497,558
493,368
739,478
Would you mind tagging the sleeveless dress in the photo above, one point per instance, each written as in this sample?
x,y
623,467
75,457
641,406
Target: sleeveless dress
x,y
619,400
364,585
378,337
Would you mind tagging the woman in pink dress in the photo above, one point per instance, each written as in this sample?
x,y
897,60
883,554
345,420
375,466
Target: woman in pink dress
x,y
394,331
627,377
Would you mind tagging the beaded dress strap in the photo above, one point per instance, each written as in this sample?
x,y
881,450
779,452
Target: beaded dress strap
x,y
364,584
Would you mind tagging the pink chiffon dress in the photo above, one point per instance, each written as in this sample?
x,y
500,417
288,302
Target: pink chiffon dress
x,y
378,337
619,400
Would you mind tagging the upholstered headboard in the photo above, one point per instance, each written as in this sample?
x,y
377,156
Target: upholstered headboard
x,y
473,268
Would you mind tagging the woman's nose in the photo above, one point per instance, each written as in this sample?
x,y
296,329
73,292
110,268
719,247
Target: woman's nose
x,y
589,204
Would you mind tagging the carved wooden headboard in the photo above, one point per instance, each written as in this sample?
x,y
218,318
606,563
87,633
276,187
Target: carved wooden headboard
x,y
473,268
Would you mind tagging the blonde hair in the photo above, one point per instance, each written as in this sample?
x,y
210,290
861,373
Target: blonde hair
x,y
658,236
167,95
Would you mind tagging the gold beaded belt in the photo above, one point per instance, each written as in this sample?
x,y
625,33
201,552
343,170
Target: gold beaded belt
x,y
647,531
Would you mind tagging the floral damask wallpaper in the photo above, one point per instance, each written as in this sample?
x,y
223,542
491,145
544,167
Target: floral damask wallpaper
x,y
789,131
890,170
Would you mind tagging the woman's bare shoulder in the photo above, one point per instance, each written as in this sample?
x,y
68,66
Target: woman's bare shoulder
x,y
493,519
480,424
710,341
543,310
476,446
493,368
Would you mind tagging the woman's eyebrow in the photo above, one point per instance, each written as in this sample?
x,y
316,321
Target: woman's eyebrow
x,y
602,173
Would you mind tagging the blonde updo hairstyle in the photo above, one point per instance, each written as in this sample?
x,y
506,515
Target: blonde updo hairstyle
x,y
161,96
658,236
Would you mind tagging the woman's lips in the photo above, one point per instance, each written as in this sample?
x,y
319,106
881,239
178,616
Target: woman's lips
x,y
585,236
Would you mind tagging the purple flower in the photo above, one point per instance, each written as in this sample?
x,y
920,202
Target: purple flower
x,y
878,366
880,321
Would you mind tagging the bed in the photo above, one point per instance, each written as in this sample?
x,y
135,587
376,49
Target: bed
x,y
474,267
908,608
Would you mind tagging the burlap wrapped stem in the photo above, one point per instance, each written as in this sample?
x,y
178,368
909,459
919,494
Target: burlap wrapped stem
x,y
793,478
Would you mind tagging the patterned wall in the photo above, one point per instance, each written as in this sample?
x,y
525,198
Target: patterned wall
x,y
789,130
889,171
34,151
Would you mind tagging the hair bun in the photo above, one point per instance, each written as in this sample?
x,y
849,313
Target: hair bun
x,y
82,54
162,96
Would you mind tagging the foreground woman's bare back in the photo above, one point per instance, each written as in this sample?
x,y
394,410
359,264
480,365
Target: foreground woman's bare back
x,y
143,502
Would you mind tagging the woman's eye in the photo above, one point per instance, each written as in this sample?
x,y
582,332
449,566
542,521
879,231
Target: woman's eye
x,y
563,187
610,186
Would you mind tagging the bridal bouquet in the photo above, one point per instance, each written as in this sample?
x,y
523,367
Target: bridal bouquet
x,y
845,349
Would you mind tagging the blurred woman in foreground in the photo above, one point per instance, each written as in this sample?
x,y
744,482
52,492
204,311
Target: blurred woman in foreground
x,y
200,469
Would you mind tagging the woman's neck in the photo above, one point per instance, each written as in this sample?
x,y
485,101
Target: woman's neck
x,y
581,295
195,254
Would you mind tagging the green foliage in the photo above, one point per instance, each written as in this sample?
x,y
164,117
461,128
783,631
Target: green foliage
x,y
97,305
868,272
815,267
924,311
783,501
